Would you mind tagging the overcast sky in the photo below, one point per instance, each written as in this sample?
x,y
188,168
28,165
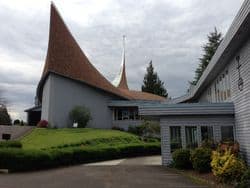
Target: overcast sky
x,y
168,32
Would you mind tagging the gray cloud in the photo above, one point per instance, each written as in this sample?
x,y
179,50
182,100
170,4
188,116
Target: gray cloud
x,y
170,33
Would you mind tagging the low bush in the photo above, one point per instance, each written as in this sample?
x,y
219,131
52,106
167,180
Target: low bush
x,y
80,115
151,129
181,159
227,167
16,122
201,159
233,146
211,144
23,159
137,130
117,128
146,129
245,180
10,144
43,124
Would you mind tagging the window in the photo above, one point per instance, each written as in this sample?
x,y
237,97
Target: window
x,y
227,133
126,113
206,133
191,137
119,114
175,138
222,87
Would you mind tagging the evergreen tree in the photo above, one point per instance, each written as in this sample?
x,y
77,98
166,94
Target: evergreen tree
x,y
152,83
4,116
214,40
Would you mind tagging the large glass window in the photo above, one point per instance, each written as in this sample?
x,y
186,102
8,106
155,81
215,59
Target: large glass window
x,y
227,133
175,138
129,113
125,114
191,137
206,133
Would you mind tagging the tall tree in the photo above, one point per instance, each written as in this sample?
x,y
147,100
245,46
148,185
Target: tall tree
x,y
214,40
4,115
152,83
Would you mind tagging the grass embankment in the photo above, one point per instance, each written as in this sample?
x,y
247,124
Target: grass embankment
x,y
41,138
46,148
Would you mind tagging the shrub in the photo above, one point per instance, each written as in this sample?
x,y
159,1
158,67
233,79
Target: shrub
x,y
117,128
43,124
151,128
80,115
10,144
16,122
23,159
201,159
227,167
19,160
234,147
245,180
181,158
146,129
137,130
211,144
22,123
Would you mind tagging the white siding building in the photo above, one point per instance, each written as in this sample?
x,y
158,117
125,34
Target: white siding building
x,y
219,105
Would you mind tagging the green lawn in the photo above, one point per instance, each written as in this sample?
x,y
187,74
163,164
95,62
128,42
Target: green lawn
x,y
41,138
48,148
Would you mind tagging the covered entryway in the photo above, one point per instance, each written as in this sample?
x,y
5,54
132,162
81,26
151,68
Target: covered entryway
x,y
33,115
187,125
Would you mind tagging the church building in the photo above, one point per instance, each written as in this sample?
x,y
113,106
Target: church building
x,y
69,79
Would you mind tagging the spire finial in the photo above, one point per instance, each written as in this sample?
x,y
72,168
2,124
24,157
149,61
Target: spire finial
x,y
123,58
121,80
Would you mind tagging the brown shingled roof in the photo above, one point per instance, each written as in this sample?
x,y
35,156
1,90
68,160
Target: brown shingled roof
x,y
139,95
65,58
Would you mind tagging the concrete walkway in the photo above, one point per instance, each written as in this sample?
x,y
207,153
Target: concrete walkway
x,y
16,131
113,174
145,161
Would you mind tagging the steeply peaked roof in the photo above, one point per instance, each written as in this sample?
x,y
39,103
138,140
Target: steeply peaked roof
x,y
121,80
65,58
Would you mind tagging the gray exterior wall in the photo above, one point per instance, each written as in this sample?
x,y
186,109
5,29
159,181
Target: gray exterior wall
x,y
182,121
241,99
47,95
61,95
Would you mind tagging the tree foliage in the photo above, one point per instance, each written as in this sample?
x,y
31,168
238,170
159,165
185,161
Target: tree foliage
x,y
4,116
80,115
152,83
214,40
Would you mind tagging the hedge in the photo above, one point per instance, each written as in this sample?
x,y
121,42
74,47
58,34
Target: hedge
x,y
15,159
10,144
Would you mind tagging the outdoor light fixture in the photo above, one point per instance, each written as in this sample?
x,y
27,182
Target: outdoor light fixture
x,y
240,80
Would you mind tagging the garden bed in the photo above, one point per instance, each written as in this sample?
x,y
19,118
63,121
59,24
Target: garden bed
x,y
204,178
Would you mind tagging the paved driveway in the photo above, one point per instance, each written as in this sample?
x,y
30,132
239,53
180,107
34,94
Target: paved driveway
x,y
113,174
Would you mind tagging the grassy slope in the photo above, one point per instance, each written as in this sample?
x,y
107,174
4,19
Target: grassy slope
x,y
46,138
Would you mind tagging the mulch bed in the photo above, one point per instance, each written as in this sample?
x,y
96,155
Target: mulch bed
x,y
206,178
